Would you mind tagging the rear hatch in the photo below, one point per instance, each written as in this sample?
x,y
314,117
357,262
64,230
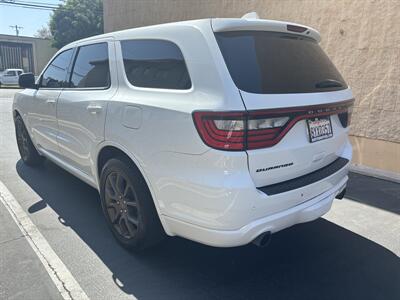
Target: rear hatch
x,y
298,104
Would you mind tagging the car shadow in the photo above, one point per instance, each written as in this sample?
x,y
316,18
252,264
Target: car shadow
x,y
316,260
375,192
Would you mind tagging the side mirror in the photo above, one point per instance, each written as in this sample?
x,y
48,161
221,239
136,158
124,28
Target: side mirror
x,y
27,81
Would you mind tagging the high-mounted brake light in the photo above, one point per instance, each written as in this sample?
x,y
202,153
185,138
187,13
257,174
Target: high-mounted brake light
x,y
238,131
296,28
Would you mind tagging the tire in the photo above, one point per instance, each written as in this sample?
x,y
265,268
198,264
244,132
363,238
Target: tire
x,y
27,150
128,206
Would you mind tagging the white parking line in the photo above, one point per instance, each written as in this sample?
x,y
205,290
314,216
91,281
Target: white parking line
x,y
68,287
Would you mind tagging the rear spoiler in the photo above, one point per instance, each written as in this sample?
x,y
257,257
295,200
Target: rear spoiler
x,y
253,23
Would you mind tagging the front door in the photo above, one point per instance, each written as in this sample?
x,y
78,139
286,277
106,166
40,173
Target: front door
x,y
42,114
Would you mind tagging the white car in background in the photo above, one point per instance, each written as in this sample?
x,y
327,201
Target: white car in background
x,y
221,131
10,76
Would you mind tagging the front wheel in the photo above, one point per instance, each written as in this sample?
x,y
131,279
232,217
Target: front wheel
x,y
27,150
128,206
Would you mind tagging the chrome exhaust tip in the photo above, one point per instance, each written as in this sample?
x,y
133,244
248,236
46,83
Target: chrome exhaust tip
x,y
263,239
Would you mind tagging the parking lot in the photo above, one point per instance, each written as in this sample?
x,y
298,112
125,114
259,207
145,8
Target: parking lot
x,y
351,253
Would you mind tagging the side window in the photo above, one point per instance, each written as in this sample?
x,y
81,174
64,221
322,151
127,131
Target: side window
x,y
155,64
10,73
91,68
19,73
56,72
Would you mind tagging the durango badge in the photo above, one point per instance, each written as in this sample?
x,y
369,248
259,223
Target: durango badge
x,y
275,167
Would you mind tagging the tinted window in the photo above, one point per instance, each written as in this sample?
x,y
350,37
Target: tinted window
x,y
271,63
91,68
56,72
19,72
11,73
155,64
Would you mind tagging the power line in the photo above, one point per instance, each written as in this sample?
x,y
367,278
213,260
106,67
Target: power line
x,y
27,4
32,2
45,4
21,5
38,2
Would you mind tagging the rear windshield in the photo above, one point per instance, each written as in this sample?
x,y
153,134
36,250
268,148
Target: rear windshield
x,y
277,63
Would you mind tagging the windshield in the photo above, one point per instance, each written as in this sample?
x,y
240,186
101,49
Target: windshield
x,y
277,63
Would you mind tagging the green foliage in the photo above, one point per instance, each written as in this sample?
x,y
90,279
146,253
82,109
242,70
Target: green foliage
x,y
43,33
76,19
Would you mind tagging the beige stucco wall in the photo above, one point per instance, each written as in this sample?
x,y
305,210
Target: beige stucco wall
x,y
362,37
42,52
377,154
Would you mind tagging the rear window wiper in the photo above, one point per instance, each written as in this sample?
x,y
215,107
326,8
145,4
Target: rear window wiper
x,y
328,83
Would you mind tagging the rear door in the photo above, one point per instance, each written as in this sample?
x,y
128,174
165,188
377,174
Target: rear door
x,y
82,106
296,99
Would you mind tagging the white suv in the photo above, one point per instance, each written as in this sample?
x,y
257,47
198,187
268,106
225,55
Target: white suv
x,y
221,131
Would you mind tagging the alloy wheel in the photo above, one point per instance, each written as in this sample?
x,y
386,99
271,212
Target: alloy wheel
x,y
121,205
23,140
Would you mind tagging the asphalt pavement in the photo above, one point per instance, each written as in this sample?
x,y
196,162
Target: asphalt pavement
x,y
351,253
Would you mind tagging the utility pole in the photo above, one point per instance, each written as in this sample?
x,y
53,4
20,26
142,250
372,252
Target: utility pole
x,y
17,28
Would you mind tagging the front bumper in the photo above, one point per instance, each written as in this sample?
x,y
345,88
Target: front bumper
x,y
304,212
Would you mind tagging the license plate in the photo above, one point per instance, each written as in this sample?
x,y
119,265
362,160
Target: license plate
x,y
319,129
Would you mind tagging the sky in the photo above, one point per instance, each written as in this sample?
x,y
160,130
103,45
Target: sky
x,y
30,19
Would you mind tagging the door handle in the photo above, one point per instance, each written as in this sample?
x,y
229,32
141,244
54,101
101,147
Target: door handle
x,y
94,109
51,101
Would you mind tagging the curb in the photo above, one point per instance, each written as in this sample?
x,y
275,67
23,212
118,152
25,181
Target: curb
x,y
377,173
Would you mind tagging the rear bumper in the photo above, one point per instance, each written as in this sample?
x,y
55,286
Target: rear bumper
x,y
305,180
219,204
304,212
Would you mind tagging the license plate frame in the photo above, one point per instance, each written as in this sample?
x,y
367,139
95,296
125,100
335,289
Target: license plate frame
x,y
319,128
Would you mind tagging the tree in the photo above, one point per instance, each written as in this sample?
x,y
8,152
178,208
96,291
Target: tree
x,y
43,33
76,19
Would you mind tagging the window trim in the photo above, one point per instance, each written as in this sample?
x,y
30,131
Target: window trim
x,y
141,88
40,87
71,69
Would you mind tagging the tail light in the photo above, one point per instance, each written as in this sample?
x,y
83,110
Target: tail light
x,y
263,130
345,117
222,130
239,131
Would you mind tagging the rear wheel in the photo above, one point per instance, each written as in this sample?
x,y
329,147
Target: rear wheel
x,y
27,150
128,205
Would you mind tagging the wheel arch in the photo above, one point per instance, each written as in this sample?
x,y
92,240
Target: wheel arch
x,y
16,113
108,151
